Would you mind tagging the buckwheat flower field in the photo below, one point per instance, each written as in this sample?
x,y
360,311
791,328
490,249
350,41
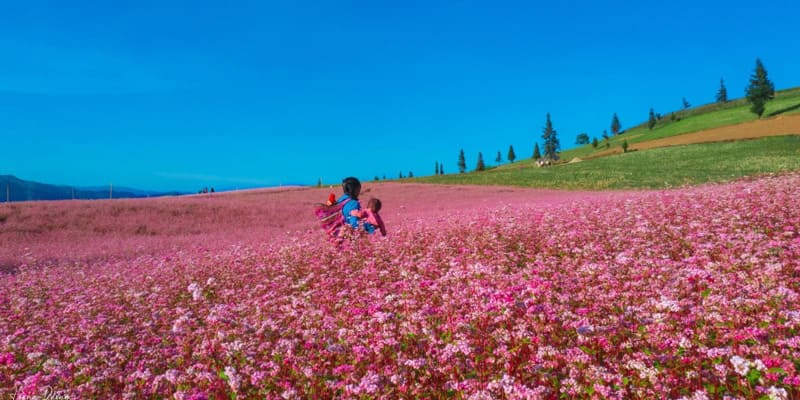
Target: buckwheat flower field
x,y
475,294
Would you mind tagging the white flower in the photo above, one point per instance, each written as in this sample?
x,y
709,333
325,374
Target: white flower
x,y
233,380
740,365
776,393
196,291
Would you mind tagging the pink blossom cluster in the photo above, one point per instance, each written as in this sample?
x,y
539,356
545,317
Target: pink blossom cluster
x,y
680,294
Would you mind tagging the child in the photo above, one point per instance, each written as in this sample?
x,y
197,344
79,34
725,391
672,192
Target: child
x,y
372,219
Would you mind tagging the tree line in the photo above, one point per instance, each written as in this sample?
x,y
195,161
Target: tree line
x,y
758,92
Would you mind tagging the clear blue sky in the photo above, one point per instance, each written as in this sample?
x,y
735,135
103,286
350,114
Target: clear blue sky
x,y
181,95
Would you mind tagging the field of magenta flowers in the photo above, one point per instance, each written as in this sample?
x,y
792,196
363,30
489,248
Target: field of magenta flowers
x,y
474,294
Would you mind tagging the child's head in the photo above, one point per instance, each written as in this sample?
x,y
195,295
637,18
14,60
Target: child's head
x,y
351,187
374,205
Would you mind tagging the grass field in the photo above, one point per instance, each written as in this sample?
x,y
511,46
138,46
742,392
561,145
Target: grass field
x,y
786,102
656,168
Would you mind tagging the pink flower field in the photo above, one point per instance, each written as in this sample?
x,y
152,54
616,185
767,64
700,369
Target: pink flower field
x,y
476,293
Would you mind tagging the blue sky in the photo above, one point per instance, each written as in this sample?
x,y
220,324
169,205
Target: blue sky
x,y
181,95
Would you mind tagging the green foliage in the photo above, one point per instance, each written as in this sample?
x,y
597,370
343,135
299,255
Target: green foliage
x,y
582,138
536,153
615,125
686,104
499,158
594,143
722,94
651,122
625,146
511,155
761,89
550,136
689,165
480,166
462,162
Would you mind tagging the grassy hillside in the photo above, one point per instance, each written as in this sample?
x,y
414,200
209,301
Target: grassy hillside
x,y
656,168
661,167
786,102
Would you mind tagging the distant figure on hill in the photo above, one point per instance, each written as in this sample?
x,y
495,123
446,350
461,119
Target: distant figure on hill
x,y
371,219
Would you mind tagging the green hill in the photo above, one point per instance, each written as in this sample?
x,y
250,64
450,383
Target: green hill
x,y
660,167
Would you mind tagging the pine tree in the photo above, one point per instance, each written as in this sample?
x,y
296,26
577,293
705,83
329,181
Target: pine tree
x,y
722,94
615,125
594,142
462,162
400,175
441,169
480,166
582,138
410,174
536,153
551,145
319,183
499,158
511,155
436,170
686,103
761,90
651,122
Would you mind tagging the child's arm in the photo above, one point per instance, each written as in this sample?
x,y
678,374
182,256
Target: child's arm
x,y
380,224
359,213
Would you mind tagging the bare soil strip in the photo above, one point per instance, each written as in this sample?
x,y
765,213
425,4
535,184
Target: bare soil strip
x,y
777,126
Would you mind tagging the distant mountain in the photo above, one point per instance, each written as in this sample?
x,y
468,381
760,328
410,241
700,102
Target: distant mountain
x,y
15,189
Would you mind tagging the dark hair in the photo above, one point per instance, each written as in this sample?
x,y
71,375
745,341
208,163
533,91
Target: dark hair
x,y
374,203
350,187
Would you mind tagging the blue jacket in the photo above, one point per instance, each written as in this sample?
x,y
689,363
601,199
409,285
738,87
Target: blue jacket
x,y
350,206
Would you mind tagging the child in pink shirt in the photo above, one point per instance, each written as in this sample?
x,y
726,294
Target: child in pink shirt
x,y
372,220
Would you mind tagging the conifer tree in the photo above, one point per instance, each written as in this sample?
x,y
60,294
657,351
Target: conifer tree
x,y
436,169
511,155
651,122
441,169
410,174
480,166
582,138
761,89
462,162
686,103
536,153
551,145
615,125
499,158
722,94
594,142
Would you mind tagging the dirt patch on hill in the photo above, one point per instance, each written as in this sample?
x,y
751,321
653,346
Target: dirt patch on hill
x,y
778,126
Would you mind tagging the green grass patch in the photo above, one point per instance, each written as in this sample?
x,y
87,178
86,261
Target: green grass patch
x,y
656,168
786,102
